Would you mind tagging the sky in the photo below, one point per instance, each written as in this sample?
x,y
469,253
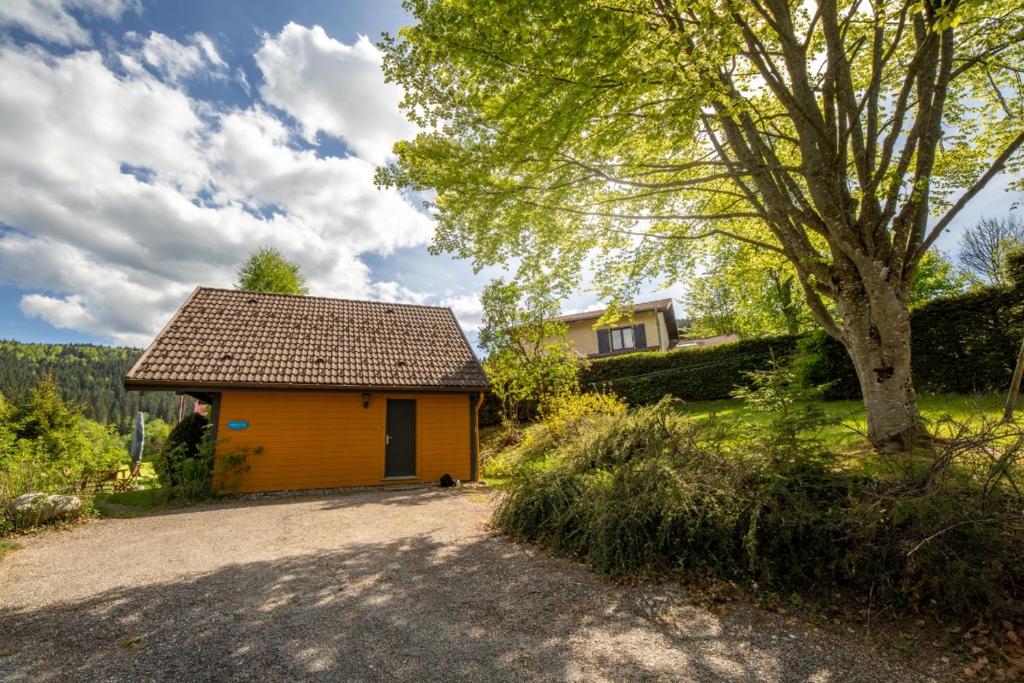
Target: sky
x,y
147,147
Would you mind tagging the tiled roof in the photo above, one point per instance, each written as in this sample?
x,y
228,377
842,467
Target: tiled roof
x,y
657,305
222,337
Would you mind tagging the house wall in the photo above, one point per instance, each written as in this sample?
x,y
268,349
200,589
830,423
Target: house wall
x,y
328,439
583,336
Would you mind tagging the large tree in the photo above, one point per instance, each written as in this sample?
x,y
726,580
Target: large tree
x,y
852,133
267,270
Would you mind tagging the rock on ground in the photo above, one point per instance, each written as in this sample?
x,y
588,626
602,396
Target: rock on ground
x,y
31,509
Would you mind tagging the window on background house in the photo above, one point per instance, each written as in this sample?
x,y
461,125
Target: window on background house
x,y
622,338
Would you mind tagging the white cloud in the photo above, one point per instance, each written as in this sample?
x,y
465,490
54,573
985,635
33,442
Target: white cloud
x,y
67,313
332,196
209,51
177,61
335,88
467,309
125,194
51,20
393,291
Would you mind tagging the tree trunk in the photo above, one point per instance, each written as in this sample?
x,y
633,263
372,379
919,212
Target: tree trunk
x,y
876,334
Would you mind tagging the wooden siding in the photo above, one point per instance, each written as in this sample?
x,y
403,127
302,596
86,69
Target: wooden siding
x,y
327,439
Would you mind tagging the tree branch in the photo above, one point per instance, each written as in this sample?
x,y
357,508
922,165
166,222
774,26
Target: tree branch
x,y
997,167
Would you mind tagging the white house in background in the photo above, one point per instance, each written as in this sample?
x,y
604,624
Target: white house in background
x,y
651,327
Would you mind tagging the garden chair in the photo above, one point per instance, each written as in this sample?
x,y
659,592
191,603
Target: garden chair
x,y
125,477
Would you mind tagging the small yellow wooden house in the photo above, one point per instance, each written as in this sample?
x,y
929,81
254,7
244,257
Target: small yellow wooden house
x,y
330,392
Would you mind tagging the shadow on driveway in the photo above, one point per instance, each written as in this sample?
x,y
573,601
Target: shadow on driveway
x,y
413,608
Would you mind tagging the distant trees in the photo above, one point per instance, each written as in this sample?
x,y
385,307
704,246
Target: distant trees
x,y
88,375
528,359
984,247
267,270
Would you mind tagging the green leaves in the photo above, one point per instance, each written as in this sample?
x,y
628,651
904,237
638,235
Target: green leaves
x,y
565,134
267,270
528,359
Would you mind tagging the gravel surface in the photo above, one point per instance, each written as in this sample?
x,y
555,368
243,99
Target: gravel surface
x,y
370,585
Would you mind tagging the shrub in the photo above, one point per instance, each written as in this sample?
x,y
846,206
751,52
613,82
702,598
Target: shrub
x,y
183,459
653,489
157,432
967,344
1015,267
490,411
48,446
565,415
191,465
822,361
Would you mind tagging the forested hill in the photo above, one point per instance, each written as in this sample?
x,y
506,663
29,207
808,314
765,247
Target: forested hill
x,y
87,374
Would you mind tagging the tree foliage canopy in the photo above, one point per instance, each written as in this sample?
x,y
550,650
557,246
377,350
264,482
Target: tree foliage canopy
x,y
267,270
634,128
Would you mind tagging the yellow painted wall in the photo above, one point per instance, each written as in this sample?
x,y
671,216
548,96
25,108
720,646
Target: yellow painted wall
x,y
583,336
327,439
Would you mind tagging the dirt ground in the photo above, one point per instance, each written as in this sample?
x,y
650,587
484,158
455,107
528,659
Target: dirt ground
x,y
370,585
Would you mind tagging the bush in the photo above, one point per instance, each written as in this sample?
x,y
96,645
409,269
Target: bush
x,y
490,411
184,465
653,489
564,416
48,446
192,466
157,432
822,361
967,344
1015,268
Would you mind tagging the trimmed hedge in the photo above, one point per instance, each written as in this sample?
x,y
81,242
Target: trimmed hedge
x,y
968,343
689,374
965,344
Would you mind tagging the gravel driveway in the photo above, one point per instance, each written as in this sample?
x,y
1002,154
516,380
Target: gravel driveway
x,y
369,585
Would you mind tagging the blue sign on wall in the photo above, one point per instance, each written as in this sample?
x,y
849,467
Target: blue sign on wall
x,y
238,424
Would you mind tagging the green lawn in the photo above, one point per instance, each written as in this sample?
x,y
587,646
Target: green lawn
x,y
850,414
143,498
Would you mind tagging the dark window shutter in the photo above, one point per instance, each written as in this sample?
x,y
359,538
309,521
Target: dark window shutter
x,y
639,336
604,341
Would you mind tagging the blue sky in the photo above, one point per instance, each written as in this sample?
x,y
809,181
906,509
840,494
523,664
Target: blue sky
x,y
146,147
